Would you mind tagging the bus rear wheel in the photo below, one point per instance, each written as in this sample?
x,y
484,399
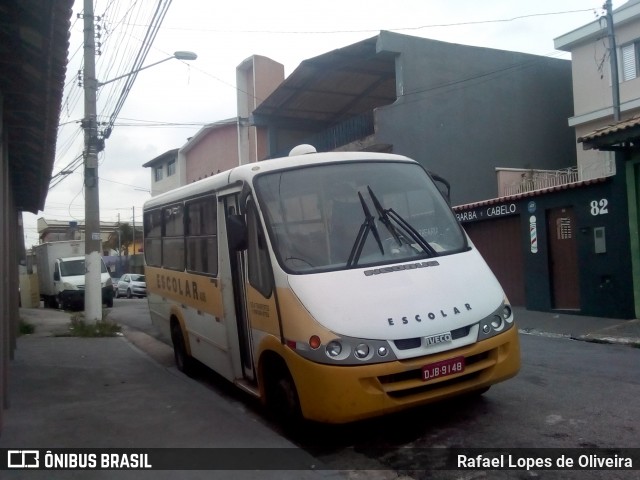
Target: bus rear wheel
x,y
183,360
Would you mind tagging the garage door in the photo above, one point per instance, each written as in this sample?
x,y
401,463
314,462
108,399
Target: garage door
x,y
500,244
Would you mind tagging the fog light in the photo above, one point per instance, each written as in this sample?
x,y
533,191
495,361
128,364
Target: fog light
x,y
334,348
382,351
362,350
496,323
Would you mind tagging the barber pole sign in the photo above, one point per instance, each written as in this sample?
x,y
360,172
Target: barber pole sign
x,y
533,233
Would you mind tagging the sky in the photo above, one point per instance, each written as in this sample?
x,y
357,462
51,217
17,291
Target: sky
x,y
170,102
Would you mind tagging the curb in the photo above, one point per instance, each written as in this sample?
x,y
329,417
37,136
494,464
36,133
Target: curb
x,y
609,340
589,337
154,348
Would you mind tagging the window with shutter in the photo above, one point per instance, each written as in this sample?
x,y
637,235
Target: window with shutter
x,y
629,62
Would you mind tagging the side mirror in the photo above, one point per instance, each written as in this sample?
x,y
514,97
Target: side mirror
x,y
56,276
237,233
443,185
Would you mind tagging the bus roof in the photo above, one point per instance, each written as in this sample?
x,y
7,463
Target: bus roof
x,y
248,171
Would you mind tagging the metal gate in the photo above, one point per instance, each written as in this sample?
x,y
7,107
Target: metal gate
x,y
500,243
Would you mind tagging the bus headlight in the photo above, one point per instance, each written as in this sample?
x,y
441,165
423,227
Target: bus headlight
x,y
507,313
498,322
334,349
361,350
343,350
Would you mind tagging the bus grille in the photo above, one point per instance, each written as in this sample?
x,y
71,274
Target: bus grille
x,y
400,385
416,342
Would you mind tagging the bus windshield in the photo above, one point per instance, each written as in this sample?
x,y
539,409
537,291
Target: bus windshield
x,y
340,216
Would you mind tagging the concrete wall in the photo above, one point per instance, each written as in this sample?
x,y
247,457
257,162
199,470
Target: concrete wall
x,y
605,280
257,77
462,111
215,152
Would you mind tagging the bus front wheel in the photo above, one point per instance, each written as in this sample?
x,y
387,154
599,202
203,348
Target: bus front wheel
x,y
282,398
184,362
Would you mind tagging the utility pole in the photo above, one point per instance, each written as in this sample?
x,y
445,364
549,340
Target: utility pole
x,y
613,55
92,145
119,245
93,257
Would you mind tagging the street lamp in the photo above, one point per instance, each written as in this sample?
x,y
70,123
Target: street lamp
x,y
93,255
180,55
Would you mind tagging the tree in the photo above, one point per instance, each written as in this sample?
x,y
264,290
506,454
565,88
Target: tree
x,y
120,239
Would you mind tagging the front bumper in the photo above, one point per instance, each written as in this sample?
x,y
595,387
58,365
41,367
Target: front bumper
x,y
75,298
340,394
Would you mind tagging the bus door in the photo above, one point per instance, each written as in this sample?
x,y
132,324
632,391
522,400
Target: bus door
x,y
235,296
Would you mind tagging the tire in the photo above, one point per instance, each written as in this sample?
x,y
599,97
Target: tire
x,y
282,399
184,362
117,293
129,293
109,302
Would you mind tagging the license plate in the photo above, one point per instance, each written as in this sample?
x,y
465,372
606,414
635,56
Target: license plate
x,y
450,366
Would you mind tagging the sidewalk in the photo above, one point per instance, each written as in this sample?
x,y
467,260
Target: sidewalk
x,y
68,392
125,392
578,327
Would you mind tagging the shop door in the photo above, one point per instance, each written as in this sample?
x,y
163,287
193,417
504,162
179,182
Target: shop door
x,y
563,257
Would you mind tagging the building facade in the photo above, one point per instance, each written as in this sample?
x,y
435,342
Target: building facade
x,y
623,140
459,110
567,240
564,248
224,144
166,172
590,48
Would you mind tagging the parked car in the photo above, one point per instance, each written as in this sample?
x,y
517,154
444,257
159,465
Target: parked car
x,y
131,285
114,282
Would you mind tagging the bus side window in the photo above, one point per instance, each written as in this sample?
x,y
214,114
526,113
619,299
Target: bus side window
x,y
173,237
153,237
202,236
259,270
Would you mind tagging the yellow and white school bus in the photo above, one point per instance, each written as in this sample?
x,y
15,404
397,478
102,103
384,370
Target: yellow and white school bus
x,y
334,286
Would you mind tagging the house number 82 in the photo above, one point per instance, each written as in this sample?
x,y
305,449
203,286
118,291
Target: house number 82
x,y
599,207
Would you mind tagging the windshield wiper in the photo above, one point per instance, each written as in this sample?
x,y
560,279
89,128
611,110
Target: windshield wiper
x,y
384,217
389,214
367,226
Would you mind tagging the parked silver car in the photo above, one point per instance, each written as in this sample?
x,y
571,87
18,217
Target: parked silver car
x,y
131,285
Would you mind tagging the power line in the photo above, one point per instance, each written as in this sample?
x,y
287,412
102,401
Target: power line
x,y
150,36
434,25
121,183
